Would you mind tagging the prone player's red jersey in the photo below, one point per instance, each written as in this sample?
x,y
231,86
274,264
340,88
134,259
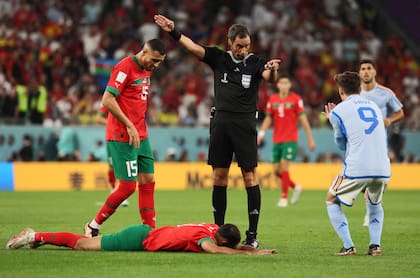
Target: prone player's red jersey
x,y
186,237
130,84
285,114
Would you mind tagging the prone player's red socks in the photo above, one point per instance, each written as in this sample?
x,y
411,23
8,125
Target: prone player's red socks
x,y
124,190
59,239
147,203
111,177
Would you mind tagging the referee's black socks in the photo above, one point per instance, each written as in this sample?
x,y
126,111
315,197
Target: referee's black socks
x,y
254,207
219,204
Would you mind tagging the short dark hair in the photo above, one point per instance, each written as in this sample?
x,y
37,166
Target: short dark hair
x,y
238,30
349,81
157,45
366,61
231,233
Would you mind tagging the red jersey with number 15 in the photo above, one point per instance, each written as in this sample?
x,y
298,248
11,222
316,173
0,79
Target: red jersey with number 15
x,y
130,84
285,114
186,237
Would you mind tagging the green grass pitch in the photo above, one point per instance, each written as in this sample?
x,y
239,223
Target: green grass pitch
x,y
302,234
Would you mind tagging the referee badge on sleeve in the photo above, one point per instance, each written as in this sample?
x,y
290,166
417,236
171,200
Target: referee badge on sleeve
x,y
246,80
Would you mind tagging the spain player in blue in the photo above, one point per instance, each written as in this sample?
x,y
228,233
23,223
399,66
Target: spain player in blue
x,y
391,108
359,130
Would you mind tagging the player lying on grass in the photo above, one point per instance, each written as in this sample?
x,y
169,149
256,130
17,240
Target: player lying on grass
x,y
209,238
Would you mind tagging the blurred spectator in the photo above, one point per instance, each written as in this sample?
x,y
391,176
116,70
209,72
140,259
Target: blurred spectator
x,y
396,143
202,157
170,154
203,112
92,9
31,102
50,149
410,83
183,157
59,42
99,153
413,122
8,100
26,152
329,157
68,144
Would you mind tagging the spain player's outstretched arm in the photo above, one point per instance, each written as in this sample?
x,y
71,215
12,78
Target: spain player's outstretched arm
x,y
168,25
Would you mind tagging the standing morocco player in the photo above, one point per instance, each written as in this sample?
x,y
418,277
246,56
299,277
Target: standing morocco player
x,y
284,110
125,98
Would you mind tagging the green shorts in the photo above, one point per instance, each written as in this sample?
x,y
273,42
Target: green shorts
x,y
285,151
129,161
128,239
109,157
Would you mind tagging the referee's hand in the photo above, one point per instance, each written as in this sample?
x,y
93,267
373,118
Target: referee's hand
x,y
164,23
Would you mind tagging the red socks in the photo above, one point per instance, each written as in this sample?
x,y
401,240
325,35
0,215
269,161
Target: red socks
x,y
111,177
124,190
147,203
59,239
286,182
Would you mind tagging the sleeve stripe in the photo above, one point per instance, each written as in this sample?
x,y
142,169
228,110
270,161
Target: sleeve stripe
x,y
204,239
112,90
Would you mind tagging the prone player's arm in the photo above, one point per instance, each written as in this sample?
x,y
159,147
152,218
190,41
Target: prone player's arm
x,y
110,103
168,25
210,247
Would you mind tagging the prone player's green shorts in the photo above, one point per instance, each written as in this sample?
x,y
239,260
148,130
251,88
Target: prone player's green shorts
x,y
128,239
285,151
129,161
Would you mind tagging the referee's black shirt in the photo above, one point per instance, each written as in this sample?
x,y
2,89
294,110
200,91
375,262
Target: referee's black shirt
x,y
236,82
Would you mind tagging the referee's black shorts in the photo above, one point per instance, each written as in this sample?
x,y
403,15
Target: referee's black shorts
x,y
233,133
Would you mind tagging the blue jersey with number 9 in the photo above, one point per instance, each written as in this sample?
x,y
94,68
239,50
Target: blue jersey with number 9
x,y
359,130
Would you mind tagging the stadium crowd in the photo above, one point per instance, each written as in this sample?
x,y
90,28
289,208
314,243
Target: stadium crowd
x,y
49,53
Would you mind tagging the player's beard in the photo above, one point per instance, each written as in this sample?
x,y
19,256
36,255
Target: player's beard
x,y
367,81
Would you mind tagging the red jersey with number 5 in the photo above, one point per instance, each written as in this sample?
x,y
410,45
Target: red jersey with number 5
x,y
186,237
130,84
285,114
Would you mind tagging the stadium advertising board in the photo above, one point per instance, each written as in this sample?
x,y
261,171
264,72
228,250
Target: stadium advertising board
x,y
49,176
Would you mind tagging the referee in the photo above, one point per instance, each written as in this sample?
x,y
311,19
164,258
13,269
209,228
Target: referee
x,y
237,76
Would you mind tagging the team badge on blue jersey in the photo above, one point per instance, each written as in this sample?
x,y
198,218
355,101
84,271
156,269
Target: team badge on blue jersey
x,y
246,80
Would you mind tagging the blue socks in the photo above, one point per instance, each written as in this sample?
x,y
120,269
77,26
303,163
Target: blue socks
x,y
339,222
376,221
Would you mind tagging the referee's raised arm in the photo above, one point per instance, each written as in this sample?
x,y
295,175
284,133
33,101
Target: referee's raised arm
x,y
168,25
